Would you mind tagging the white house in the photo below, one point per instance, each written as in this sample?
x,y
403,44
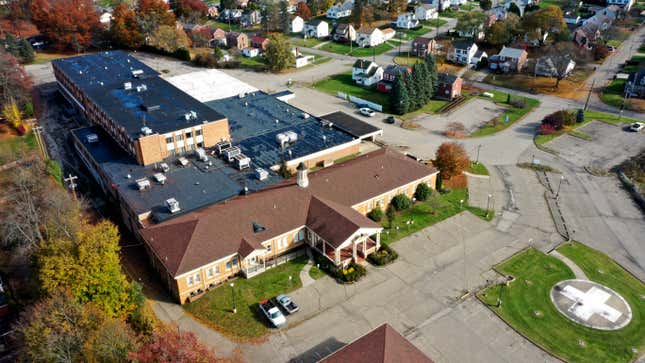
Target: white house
x,y
458,2
366,73
546,67
316,29
250,52
626,4
407,21
369,37
388,33
440,5
462,52
297,24
426,12
341,10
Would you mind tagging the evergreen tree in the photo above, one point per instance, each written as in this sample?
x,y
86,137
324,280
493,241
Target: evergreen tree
x,y
432,73
357,13
413,95
285,24
400,100
417,83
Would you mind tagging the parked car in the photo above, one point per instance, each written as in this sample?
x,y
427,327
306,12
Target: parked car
x,y
272,313
366,111
637,126
287,304
611,48
390,120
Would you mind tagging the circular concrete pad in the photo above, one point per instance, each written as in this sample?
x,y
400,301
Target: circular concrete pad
x,y
591,304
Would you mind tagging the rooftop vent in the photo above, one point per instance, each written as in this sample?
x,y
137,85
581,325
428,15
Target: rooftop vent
x,y
190,115
137,72
164,167
160,178
92,138
173,205
222,145
127,86
242,161
257,227
182,161
305,115
143,184
326,123
261,174
142,87
150,108
242,95
231,152
146,131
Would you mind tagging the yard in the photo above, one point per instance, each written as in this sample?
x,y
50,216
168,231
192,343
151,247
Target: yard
x,y
435,23
613,93
305,42
215,308
343,82
354,51
572,87
12,145
431,107
511,114
423,214
527,307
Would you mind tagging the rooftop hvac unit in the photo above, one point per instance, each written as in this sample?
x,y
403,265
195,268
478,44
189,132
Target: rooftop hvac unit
x,y
327,123
160,178
231,152
293,137
92,138
305,115
261,174
150,108
282,139
142,87
242,161
127,86
146,131
222,145
173,205
137,72
143,183
241,95
190,115
164,167
182,161
201,154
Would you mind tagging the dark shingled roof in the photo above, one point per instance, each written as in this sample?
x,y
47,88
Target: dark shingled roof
x,y
381,345
350,124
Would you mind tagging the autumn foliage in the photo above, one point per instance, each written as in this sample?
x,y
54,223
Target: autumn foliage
x,y
124,27
303,11
68,24
451,159
167,344
190,9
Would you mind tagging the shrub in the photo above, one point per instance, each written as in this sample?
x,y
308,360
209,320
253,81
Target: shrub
x,y
352,273
182,54
518,103
205,60
546,129
600,52
390,214
401,202
580,115
383,256
422,192
559,119
375,214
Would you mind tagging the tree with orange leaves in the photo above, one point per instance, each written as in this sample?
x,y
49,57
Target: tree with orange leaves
x,y
303,11
168,344
68,24
124,28
451,159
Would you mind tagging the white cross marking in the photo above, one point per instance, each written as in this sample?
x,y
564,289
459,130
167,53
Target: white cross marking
x,y
586,304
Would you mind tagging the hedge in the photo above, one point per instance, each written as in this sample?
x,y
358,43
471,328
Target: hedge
x,y
385,255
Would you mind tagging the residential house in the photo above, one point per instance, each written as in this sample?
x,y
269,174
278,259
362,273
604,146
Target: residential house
x,y
389,77
250,18
388,33
422,46
546,67
230,15
457,3
324,210
476,35
242,3
369,37
585,37
478,57
407,21
297,24
237,40
440,5
426,12
344,33
251,52
219,38
383,345
461,52
625,4
521,4
635,85
449,86
366,73
316,29
340,10
260,43
508,60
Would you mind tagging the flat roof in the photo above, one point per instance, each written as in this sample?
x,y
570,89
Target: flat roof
x,y
351,124
151,101
210,85
194,186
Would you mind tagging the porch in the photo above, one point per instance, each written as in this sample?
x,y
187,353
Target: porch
x,y
255,266
356,250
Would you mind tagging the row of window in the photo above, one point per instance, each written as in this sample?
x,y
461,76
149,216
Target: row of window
x,y
210,272
180,137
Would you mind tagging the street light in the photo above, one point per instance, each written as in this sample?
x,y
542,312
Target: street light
x,y
559,185
233,293
488,205
461,204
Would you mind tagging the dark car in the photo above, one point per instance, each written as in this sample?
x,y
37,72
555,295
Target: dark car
x,y
390,120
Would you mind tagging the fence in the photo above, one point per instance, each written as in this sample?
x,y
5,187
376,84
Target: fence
x,y
276,261
360,102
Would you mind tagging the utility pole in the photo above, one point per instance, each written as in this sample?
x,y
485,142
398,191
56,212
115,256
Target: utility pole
x,y
39,140
589,95
478,147
71,184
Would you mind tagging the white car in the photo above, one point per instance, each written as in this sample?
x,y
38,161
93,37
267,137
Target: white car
x,y
366,111
637,126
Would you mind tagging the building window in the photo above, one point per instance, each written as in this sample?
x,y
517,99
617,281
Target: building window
x,y
189,135
198,132
280,243
217,269
234,261
209,273
197,278
179,137
301,235
189,280
269,248
199,144
228,265
169,140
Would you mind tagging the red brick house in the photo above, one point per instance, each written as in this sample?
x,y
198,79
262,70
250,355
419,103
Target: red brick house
x,y
260,43
237,40
449,86
423,46
389,76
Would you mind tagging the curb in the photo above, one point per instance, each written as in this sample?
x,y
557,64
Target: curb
x,y
476,175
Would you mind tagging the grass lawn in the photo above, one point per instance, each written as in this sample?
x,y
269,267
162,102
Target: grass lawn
x,y
316,273
14,145
356,51
404,60
307,43
613,93
615,42
431,107
526,305
215,307
478,168
512,112
41,57
435,23
412,33
427,213
449,14
256,63
589,116
342,82
571,87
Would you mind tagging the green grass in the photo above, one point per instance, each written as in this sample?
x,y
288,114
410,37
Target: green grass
x,y
318,59
342,82
478,168
356,51
14,146
54,169
449,14
404,60
429,212
256,63
307,43
613,93
431,107
615,42
412,33
316,273
435,23
215,307
580,135
41,57
535,274
513,113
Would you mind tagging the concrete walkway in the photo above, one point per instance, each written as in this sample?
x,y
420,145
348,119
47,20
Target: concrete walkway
x,y
304,273
580,275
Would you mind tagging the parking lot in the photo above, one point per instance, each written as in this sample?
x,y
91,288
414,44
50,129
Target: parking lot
x,y
610,145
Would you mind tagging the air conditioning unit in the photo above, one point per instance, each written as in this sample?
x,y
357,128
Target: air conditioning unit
x,y
142,87
92,138
292,136
242,161
164,167
261,174
222,145
173,205
231,152
201,154
127,86
137,72
146,131
143,184
160,178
